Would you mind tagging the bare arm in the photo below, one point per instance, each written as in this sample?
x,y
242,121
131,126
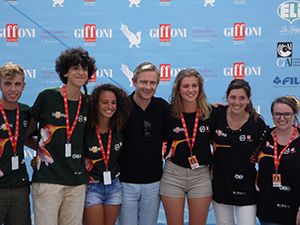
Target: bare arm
x,y
31,142
31,127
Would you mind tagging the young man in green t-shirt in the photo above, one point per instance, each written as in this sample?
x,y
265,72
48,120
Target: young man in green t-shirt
x,y
14,180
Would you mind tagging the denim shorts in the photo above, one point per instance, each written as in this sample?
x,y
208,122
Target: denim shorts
x,y
98,193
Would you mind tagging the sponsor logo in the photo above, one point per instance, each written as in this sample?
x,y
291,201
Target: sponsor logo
x,y
289,10
202,129
242,137
249,139
220,133
283,206
289,30
239,31
90,33
177,130
239,2
104,73
58,2
25,123
239,70
165,72
134,39
165,33
127,73
238,193
199,34
286,82
283,62
30,73
118,146
210,2
284,49
89,2
165,2
76,156
239,176
12,33
285,188
134,2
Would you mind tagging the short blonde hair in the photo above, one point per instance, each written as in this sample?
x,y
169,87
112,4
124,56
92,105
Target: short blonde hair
x,y
10,70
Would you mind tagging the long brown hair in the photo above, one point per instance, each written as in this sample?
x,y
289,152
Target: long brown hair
x,y
176,99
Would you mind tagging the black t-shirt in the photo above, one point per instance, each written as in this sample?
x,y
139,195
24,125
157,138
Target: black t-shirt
x,y
180,152
279,204
140,158
233,173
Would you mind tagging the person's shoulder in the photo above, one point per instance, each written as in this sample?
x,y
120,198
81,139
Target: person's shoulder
x,y
160,101
23,107
50,90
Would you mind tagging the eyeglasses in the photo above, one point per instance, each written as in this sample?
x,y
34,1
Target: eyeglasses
x,y
286,115
147,134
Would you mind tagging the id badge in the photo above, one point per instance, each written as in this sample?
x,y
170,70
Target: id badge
x,y
15,162
68,150
193,162
107,177
276,180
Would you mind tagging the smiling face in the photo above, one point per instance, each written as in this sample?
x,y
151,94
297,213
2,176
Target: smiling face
x,y
11,91
189,89
282,122
77,75
237,100
107,104
145,85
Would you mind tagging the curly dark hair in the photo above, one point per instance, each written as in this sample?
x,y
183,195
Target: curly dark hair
x,y
124,107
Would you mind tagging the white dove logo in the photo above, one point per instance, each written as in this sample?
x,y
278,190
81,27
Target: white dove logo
x,y
127,73
209,2
60,2
134,2
133,39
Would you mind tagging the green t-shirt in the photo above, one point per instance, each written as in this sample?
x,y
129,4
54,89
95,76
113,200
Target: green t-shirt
x,y
52,164
95,163
9,177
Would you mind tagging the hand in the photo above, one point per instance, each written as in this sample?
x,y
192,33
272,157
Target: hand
x,y
253,159
216,104
298,218
33,163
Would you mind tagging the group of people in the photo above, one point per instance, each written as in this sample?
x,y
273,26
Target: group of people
x,y
99,156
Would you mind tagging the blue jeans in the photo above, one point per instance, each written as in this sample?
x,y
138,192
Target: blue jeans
x,y
140,204
267,223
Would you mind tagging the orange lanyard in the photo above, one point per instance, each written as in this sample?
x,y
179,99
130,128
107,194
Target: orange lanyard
x,y
69,132
277,159
105,156
13,140
194,131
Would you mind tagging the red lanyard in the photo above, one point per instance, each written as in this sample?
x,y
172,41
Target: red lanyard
x,y
105,156
69,132
13,140
277,159
194,131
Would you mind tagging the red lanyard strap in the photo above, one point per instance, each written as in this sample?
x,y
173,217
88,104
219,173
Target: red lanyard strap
x,y
277,159
69,132
105,156
194,131
13,140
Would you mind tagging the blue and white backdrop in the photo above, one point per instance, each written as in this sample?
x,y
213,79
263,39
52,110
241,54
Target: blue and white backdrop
x,y
251,39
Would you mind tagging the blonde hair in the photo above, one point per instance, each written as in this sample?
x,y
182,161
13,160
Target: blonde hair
x,y
176,99
10,70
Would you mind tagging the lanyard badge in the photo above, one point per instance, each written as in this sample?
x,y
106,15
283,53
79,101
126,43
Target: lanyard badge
x,y
13,140
192,159
68,146
107,173
277,177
